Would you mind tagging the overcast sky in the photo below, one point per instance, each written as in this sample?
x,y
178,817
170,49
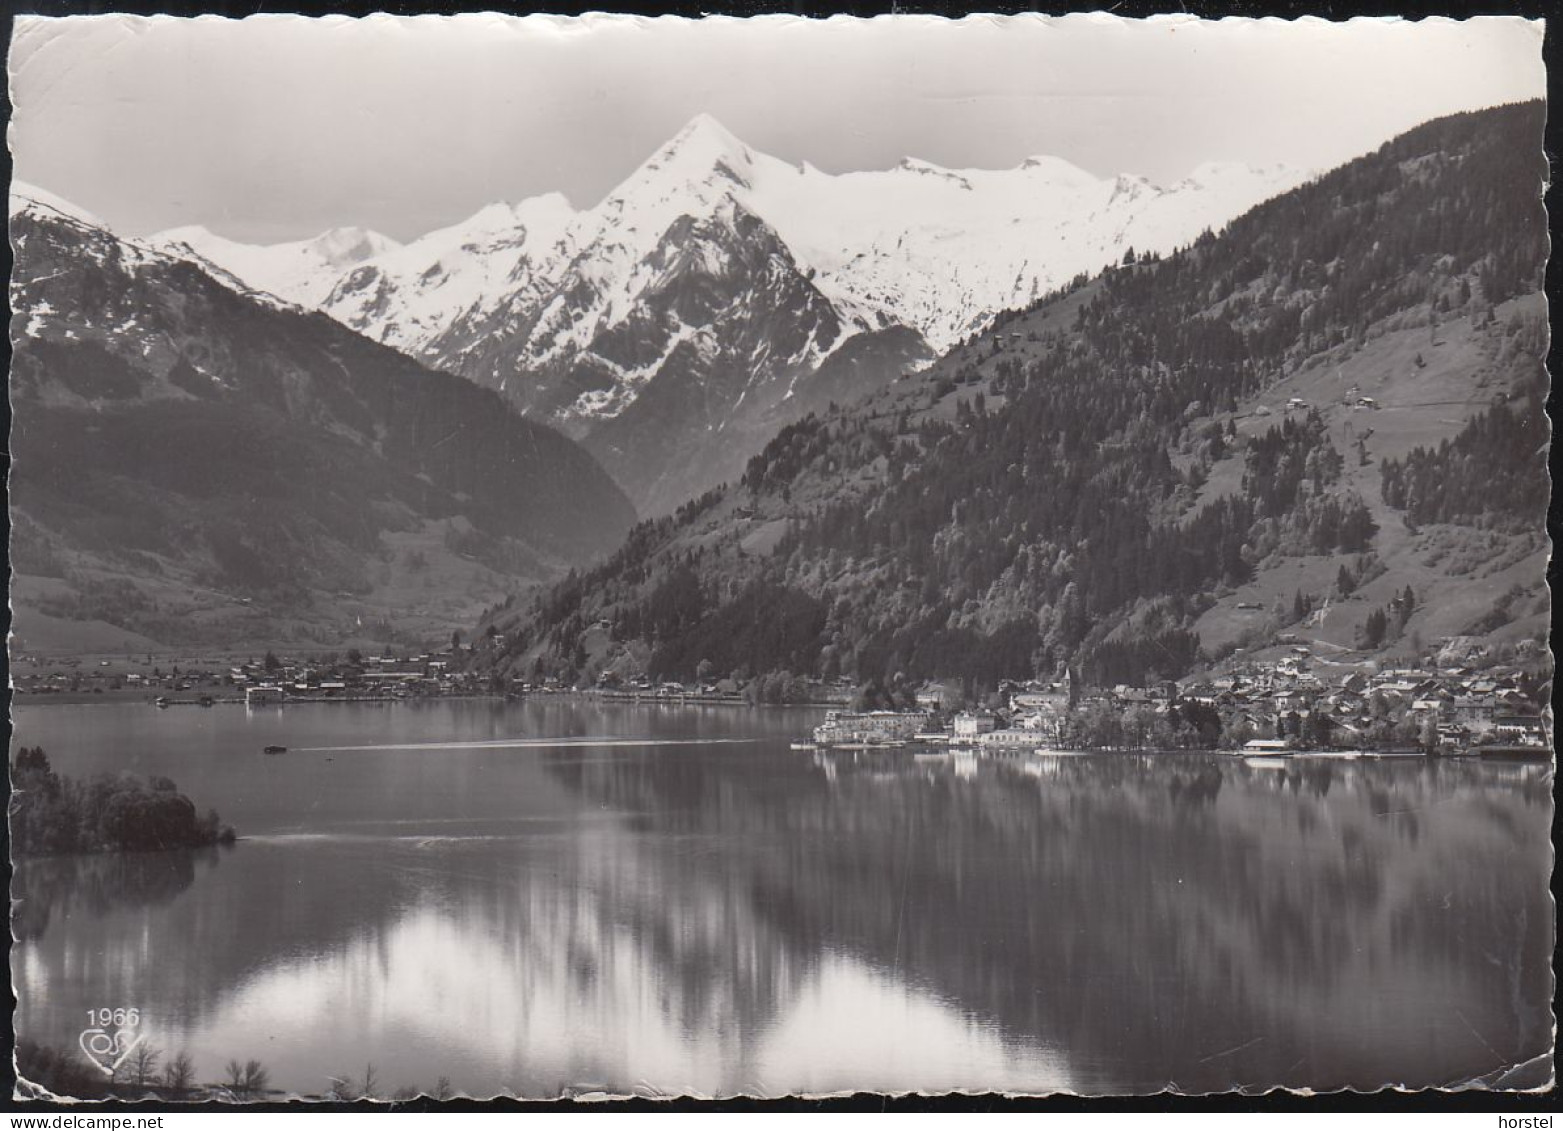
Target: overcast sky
x,y
276,127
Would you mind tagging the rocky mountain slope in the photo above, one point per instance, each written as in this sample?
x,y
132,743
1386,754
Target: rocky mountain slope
x,y
1254,437
192,463
722,288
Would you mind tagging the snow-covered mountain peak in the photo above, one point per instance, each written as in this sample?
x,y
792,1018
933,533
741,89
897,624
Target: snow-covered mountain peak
x,y
701,148
534,223
99,242
193,236
1058,171
25,197
344,246
1128,187
551,210
337,248
300,271
702,164
704,139
549,213
929,169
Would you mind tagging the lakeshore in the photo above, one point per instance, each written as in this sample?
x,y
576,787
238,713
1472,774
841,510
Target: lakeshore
x,y
1265,709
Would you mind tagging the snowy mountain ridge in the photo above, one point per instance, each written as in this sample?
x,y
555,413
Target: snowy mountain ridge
x,y
301,271
718,293
939,250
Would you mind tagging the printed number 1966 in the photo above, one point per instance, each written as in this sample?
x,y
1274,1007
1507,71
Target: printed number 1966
x,y
119,1018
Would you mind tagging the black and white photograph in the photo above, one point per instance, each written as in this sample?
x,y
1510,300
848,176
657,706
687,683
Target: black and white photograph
x,y
612,557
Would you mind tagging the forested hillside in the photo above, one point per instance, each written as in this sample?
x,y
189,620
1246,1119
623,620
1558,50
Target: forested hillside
x,y
1116,477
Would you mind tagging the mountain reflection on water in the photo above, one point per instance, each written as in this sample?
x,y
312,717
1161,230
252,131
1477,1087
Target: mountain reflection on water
x,y
1167,921
746,918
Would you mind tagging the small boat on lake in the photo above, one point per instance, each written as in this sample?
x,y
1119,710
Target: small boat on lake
x,y
275,750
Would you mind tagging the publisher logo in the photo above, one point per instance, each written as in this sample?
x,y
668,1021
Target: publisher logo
x,y
111,1037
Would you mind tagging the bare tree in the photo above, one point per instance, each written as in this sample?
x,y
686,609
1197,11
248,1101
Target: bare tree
x,y
443,1090
142,1069
178,1072
248,1078
371,1083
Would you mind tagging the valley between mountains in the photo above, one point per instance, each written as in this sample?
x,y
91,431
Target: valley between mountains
x,y
196,465
913,423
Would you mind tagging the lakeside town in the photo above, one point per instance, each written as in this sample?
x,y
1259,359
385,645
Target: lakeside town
x,y
1459,703
1460,698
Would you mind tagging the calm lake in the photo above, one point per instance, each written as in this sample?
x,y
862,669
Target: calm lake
x,y
558,895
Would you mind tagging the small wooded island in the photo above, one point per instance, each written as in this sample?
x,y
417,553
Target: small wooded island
x,y
54,814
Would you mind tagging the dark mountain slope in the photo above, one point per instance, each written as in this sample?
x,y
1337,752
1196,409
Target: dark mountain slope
x,y
1098,477
169,430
